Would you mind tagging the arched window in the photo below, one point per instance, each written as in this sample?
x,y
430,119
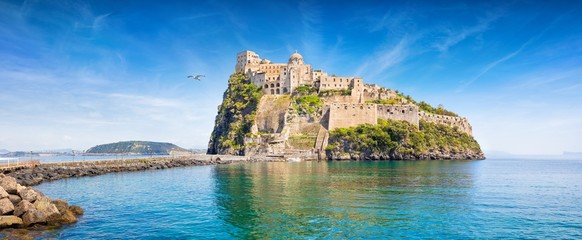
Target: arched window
x,y
284,90
278,85
266,85
278,91
272,91
272,85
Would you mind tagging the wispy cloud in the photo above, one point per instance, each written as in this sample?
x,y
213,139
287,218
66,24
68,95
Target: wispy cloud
x,y
505,58
94,23
197,16
394,22
311,39
385,58
454,37
145,101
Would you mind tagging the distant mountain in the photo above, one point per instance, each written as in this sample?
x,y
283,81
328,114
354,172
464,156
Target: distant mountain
x,y
136,147
3,151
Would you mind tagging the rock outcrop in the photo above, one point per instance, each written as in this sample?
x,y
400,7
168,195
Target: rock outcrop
x,y
28,207
397,140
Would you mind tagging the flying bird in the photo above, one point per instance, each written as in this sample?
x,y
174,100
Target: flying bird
x,y
197,77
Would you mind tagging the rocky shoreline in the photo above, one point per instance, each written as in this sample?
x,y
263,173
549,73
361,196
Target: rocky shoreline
x,y
396,155
22,206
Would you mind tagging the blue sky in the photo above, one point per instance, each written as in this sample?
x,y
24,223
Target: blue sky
x,y
74,74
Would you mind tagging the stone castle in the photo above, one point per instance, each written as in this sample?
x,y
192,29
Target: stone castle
x,y
352,107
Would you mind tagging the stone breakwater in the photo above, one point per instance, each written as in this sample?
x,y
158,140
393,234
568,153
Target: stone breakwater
x,y
23,207
55,171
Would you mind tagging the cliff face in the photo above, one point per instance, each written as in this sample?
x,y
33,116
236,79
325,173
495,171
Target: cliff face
x,y
236,116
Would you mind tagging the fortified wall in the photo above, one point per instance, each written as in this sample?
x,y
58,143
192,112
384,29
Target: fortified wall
x,y
407,113
459,122
349,114
343,115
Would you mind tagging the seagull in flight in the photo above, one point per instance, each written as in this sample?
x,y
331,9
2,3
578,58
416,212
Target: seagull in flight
x,y
197,77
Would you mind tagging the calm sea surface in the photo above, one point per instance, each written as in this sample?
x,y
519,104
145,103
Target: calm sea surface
x,y
539,199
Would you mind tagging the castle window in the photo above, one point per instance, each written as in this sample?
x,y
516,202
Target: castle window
x,y
278,85
272,91
284,90
346,107
402,111
278,91
361,107
272,85
266,85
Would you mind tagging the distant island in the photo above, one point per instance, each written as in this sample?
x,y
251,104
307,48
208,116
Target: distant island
x,y
137,148
291,110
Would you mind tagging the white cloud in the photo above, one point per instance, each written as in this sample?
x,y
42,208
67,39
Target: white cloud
x,y
385,58
454,37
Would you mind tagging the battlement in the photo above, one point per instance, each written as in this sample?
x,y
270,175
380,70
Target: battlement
x,y
459,122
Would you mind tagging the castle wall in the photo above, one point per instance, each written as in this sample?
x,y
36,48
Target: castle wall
x,y
348,115
407,113
461,123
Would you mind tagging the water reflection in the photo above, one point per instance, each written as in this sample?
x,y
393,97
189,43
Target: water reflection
x,y
341,199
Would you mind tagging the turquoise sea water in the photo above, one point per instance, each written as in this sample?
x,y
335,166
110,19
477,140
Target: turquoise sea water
x,y
539,199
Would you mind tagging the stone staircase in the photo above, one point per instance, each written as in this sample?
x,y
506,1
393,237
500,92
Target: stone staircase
x,y
321,141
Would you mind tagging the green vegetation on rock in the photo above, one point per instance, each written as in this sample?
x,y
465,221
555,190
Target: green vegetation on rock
x,y
391,139
389,101
236,116
308,104
423,106
302,141
135,147
306,101
333,92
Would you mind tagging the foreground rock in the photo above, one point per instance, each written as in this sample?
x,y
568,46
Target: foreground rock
x,y
27,207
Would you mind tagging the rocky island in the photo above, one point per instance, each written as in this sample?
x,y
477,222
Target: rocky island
x,y
137,148
291,110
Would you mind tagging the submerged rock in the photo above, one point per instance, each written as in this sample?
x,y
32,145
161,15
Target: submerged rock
x,y
76,210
